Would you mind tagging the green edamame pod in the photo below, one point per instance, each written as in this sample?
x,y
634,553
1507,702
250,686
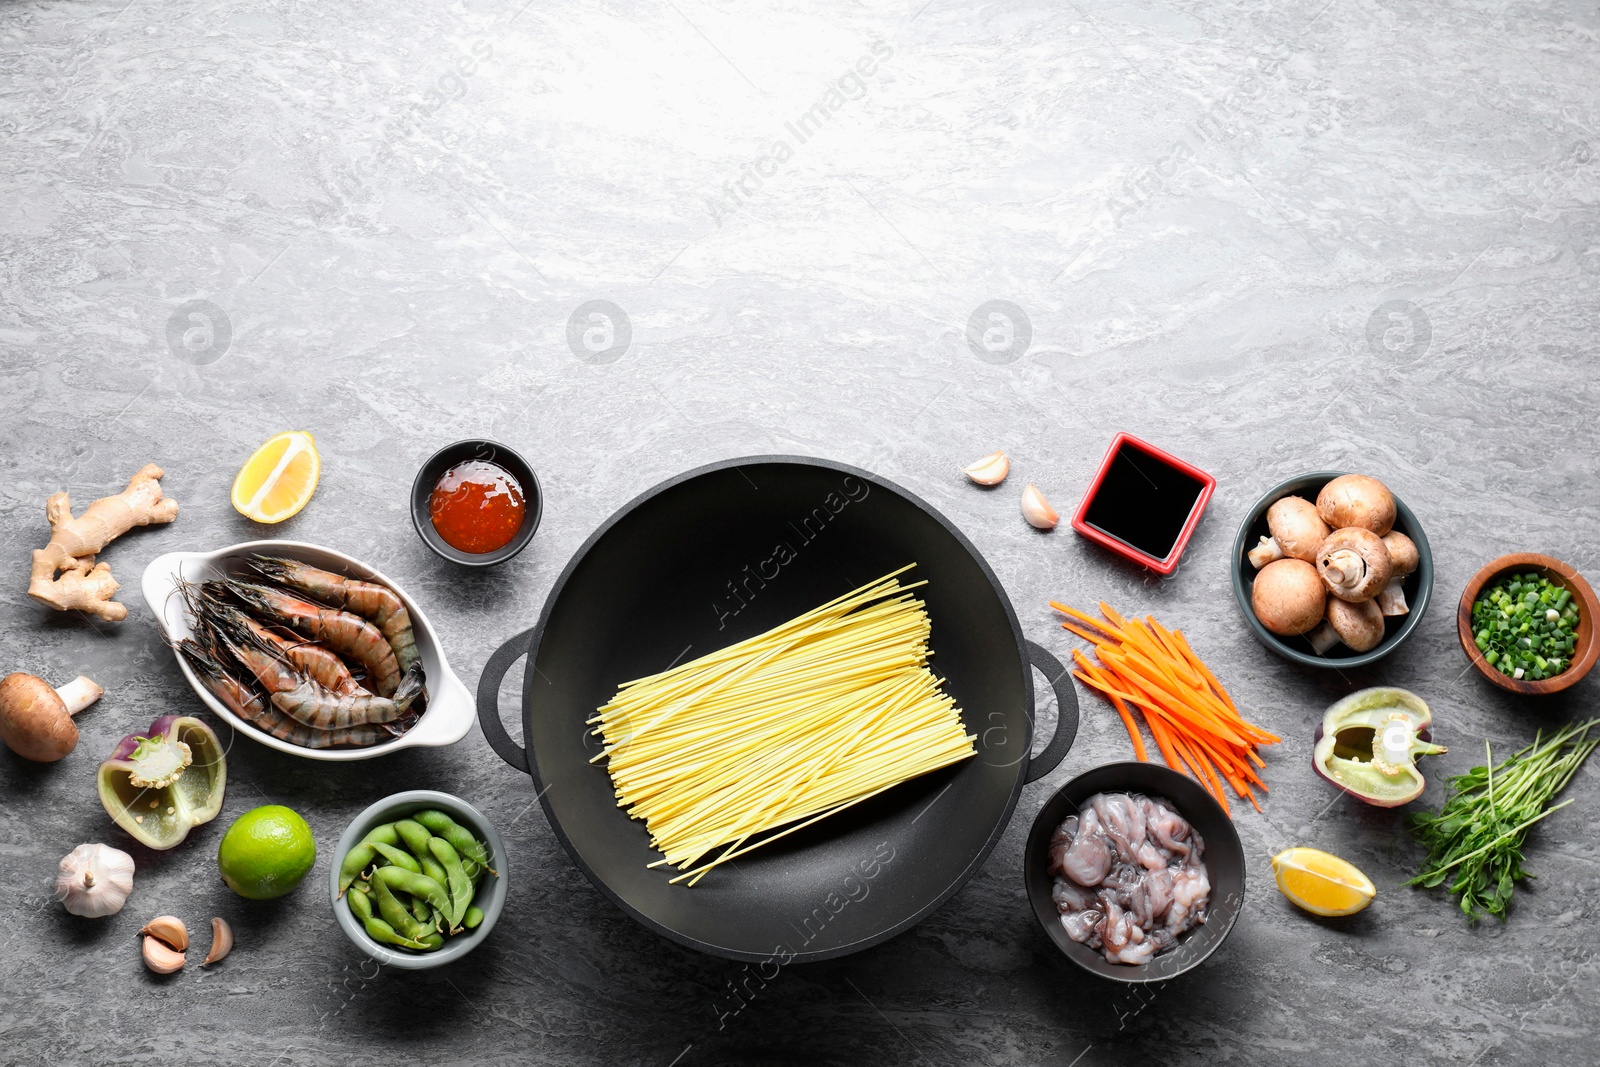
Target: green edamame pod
x,y
364,853
456,880
431,867
460,838
421,912
472,918
360,905
389,907
399,857
399,880
383,933
414,835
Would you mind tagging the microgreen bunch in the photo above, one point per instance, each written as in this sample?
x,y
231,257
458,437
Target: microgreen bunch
x,y
1476,837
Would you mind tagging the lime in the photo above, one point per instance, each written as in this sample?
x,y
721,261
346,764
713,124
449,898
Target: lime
x,y
266,852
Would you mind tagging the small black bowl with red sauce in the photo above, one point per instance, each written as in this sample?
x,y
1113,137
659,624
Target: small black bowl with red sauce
x,y
476,503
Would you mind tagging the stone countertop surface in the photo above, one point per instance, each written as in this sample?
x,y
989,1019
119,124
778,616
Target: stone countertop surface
x,y
1271,238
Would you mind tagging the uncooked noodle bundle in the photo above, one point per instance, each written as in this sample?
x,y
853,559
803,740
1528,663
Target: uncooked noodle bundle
x,y
782,729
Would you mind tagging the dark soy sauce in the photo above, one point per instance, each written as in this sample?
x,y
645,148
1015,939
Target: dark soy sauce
x,y
1143,501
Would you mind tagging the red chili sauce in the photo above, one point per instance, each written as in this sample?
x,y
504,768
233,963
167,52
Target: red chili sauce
x,y
476,506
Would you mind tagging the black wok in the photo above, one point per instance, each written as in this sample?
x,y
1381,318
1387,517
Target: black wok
x,y
720,554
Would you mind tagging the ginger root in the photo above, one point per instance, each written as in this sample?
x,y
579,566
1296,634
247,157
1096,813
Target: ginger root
x,y
65,575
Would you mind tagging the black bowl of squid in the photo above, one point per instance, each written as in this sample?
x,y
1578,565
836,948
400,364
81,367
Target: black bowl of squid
x,y
1221,854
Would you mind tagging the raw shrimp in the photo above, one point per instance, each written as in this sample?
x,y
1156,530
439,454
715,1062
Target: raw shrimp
x,y
306,702
1130,877
245,702
377,603
321,665
347,634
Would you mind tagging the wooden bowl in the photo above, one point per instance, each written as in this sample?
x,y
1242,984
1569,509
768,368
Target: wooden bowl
x,y
1584,652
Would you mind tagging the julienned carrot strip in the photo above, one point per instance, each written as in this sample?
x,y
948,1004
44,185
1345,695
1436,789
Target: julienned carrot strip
x,y
1183,643
1201,699
1204,772
1164,743
1194,721
1084,618
1226,766
1143,641
1118,703
1097,642
1108,689
1199,716
1164,635
1171,720
1216,782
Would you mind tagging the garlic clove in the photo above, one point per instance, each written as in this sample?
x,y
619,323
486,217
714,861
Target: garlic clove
x,y
161,958
990,470
221,941
1037,510
170,929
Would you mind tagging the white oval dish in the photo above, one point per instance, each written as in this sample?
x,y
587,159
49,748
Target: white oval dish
x,y
450,711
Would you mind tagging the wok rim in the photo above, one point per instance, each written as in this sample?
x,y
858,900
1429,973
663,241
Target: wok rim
x,y
1023,665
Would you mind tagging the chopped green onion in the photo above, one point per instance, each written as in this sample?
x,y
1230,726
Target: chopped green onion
x,y
1526,626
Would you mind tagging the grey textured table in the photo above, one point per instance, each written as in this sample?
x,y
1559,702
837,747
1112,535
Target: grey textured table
x,y
1269,237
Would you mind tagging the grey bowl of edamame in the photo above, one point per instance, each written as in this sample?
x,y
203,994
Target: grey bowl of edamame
x,y
424,879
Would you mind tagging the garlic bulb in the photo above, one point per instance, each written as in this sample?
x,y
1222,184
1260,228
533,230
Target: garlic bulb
x,y
95,880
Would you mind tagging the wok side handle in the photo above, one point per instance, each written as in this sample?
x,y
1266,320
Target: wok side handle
x,y
1066,713
494,731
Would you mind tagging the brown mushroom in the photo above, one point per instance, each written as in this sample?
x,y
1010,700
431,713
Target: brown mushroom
x,y
1296,528
1403,560
36,720
1356,500
1358,625
1354,564
1288,597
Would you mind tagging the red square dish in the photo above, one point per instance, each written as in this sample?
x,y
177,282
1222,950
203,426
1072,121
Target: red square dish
x,y
1144,503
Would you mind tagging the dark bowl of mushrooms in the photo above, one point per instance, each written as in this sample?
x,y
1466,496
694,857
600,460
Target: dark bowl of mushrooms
x,y
1332,570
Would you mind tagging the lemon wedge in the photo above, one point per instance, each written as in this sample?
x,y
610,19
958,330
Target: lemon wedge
x,y
1320,883
279,478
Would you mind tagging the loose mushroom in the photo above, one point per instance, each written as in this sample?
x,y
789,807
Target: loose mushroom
x,y
1288,597
36,720
1296,528
1354,564
1356,500
1358,625
1403,560
1324,637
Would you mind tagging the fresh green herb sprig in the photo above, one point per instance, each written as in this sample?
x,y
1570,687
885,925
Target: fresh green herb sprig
x,y
1476,837
1526,627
